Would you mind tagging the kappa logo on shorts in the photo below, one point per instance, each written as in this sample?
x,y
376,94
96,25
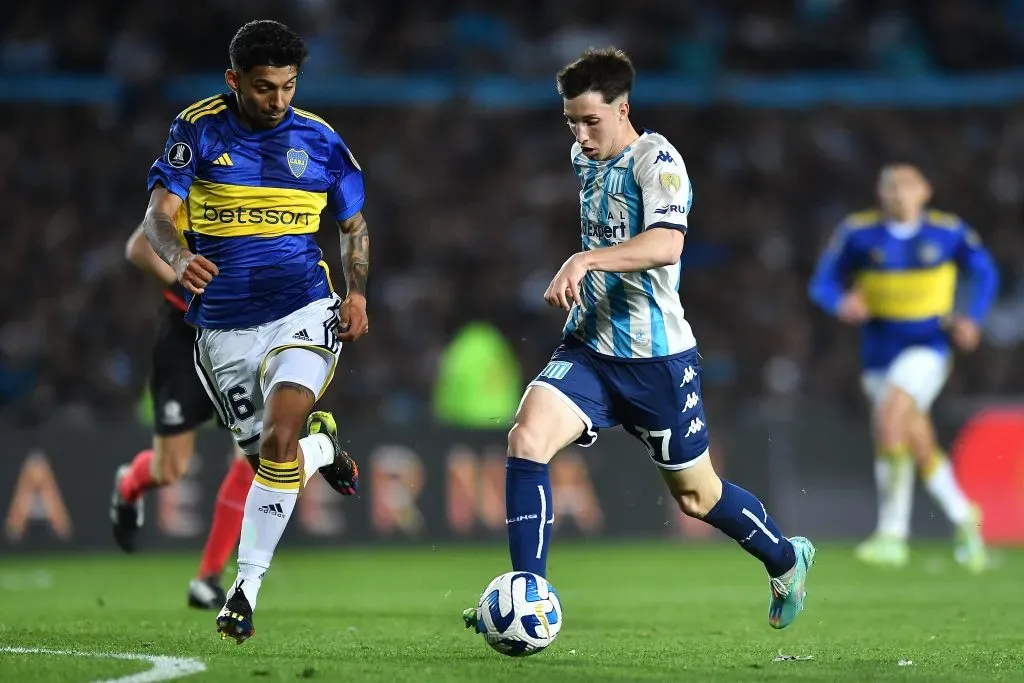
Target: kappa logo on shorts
x,y
688,375
556,369
696,424
302,335
691,401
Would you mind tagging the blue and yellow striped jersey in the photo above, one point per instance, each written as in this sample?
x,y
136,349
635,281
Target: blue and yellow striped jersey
x,y
908,279
252,204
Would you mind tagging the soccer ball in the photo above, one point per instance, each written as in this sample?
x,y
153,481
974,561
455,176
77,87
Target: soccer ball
x,y
519,614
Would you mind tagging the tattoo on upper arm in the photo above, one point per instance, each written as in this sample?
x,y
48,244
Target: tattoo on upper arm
x,y
355,249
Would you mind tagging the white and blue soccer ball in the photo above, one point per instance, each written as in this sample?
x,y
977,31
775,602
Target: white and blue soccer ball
x,y
519,614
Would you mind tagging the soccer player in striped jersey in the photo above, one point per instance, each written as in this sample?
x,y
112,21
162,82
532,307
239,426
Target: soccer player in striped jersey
x,y
628,355
250,176
894,274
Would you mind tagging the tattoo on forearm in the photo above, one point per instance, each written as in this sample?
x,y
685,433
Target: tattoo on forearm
x,y
162,236
355,253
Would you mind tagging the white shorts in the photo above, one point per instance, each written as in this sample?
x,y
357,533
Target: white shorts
x,y
920,371
239,367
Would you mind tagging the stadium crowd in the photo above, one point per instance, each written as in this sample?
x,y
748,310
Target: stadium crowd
x,y
472,211
526,37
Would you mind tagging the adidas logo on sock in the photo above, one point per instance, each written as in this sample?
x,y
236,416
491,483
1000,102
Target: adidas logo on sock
x,y
273,509
301,335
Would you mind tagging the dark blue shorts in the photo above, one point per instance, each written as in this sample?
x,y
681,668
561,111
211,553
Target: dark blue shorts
x,y
657,401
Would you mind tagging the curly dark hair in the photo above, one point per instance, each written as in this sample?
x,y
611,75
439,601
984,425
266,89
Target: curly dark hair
x,y
608,71
265,42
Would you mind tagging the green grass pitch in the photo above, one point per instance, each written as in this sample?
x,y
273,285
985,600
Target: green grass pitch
x,y
633,612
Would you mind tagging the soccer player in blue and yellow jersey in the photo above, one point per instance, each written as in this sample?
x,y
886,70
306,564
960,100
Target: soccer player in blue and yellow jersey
x,y
628,355
893,272
248,176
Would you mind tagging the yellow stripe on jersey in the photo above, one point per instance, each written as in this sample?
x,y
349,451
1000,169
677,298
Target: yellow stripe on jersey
x,y
901,295
863,219
942,219
195,106
222,210
215,108
327,273
310,115
181,221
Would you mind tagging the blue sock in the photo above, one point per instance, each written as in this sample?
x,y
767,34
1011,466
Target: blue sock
x,y
527,514
742,517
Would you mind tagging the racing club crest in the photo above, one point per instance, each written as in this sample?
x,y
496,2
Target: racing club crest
x,y
298,159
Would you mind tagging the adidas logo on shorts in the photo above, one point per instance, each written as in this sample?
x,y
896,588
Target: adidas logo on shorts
x,y
301,335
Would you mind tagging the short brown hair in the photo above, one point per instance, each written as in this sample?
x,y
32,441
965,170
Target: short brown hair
x,y
608,71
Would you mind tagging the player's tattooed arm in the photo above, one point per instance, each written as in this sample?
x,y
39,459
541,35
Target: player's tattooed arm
x,y
355,253
355,261
194,272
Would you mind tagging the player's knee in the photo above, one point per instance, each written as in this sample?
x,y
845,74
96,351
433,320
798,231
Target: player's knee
x,y
696,490
922,445
894,420
279,443
697,502
169,463
525,442
171,470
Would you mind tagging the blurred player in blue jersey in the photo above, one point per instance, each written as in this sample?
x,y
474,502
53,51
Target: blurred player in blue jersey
x,y
894,274
250,175
628,355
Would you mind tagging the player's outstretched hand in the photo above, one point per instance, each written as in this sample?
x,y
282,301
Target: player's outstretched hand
x,y
966,333
352,320
194,271
564,289
853,309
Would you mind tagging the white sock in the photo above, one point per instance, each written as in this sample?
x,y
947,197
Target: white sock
x,y
317,451
941,483
894,479
268,507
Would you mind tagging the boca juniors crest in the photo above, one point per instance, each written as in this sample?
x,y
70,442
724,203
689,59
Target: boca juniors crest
x,y
298,159
929,253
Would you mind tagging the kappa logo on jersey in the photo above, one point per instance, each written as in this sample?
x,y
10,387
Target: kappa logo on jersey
x,y
664,156
696,424
691,401
179,155
556,369
688,375
298,159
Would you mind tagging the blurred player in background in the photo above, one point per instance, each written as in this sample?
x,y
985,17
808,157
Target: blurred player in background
x,y
251,175
180,406
894,274
628,355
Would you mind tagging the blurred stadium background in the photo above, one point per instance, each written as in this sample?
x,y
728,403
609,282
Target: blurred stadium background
x,y
784,111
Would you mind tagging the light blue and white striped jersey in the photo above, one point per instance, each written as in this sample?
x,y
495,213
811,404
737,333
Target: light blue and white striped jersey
x,y
632,315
